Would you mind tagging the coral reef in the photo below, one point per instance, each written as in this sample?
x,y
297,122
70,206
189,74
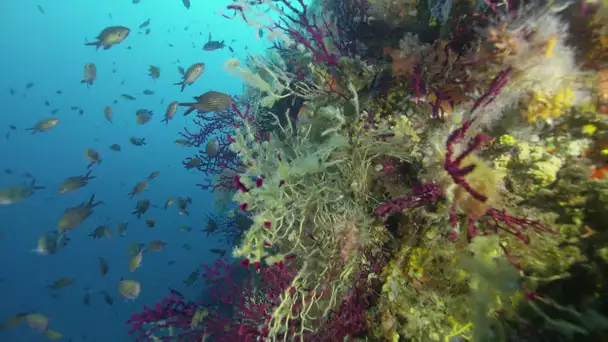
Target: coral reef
x,y
449,185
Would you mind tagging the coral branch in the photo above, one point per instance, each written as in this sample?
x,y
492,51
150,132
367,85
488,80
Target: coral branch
x,y
213,142
496,86
313,37
421,195
454,167
499,220
251,293
171,313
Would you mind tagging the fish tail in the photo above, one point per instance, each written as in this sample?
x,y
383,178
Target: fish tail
x,y
33,185
96,44
88,175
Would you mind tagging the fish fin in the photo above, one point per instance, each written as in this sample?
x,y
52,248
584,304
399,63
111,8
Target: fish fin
x,y
88,175
190,110
183,87
209,39
179,83
105,47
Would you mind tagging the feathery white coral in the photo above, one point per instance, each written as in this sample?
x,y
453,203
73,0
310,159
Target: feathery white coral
x,y
410,45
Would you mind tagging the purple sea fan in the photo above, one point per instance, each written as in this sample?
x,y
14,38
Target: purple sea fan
x,y
247,294
349,320
421,195
171,313
230,229
213,141
243,297
296,22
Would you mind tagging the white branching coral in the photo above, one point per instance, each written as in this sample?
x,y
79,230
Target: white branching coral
x,y
546,72
410,45
532,51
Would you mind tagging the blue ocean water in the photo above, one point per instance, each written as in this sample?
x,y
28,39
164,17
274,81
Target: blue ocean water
x,y
48,50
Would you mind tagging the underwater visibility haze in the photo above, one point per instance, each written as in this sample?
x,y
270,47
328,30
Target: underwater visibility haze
x,y
304,170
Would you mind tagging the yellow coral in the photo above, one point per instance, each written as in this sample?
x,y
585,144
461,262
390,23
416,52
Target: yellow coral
x,y
403,128
483,179
548,107
551,46
506,139
415,268
459,330
501,162
589,129
545,172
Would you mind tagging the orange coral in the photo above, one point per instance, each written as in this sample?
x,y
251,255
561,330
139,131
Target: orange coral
x,y
401,66
600,172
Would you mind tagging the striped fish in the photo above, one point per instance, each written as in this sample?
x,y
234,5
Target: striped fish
x,y
210,101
